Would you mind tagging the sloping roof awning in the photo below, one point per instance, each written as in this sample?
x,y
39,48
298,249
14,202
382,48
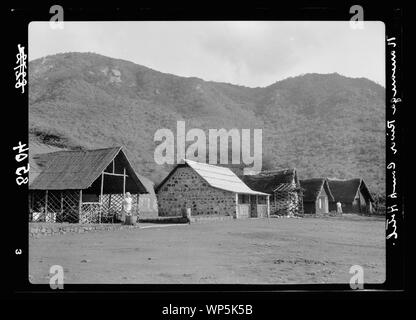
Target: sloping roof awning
x,y
221,178
74,169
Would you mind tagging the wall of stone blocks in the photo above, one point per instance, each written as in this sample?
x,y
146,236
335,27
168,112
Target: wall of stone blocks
x,y
186,189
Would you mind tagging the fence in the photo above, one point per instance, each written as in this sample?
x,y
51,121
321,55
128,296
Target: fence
x,y
67,206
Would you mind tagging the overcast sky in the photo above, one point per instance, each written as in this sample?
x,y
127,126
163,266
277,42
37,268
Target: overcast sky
x,y
245,53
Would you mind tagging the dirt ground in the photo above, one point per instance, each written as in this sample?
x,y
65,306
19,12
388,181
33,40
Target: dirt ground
x,y
272,251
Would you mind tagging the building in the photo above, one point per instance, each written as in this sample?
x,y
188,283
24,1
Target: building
x,y
316,195
353,195
208,190
82,186
284,188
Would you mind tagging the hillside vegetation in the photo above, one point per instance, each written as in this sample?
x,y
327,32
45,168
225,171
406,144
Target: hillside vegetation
x,y
324,125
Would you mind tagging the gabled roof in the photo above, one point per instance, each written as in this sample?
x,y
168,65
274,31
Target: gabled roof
x,y
217,177
272,181
74,169
312,188
148,184
345,190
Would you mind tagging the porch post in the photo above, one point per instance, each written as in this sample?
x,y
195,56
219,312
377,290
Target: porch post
x,y
62,203
124,187
268,206
46,203
80,206
109,207
236,205
124,182
137,205
101,197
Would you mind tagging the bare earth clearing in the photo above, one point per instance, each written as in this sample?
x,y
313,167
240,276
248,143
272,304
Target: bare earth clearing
x,y
274,251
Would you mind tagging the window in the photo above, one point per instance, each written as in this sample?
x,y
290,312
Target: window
x,y
243,199
262,200
320,203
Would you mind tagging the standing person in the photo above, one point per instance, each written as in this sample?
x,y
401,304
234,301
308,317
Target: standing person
x,y
127,205
339,207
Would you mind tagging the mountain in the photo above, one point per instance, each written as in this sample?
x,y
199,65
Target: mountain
x,y
323,124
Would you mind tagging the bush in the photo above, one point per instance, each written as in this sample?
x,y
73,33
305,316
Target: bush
x,y
379,203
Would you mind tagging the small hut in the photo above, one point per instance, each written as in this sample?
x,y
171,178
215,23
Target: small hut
x,y
353,195
283,185
316,195
82,186
208,190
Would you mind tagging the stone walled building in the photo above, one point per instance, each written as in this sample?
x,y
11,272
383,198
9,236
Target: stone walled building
x,y
208,190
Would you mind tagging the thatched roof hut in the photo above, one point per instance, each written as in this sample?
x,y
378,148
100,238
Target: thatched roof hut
x,y
353,194
316,195
284,187
81,185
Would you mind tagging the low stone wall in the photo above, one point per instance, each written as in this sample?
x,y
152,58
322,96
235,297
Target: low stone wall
x,y
162,220
38,229
321,215
209,218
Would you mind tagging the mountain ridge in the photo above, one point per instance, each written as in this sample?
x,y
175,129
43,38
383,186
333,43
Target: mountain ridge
x,y
322,124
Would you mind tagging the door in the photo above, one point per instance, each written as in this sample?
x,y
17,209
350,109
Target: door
x,y
253,206
322,204
244,208
243,211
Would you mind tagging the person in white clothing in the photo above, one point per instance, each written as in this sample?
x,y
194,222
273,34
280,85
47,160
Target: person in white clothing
x,y
127,205
339,207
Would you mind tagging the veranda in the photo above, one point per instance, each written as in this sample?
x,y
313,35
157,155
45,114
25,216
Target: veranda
x,y
100,202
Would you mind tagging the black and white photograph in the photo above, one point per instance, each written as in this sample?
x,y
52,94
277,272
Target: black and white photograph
x,y
208,152
141,124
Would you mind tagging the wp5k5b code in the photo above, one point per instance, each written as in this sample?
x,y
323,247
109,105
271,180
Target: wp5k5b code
x,y
211,309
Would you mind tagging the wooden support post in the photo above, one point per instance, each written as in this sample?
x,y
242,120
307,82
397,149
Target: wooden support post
x,y
80,206
62,204
124,182
101,198
46,204
109,207
137,206
114,167
124,187
268,206
236,205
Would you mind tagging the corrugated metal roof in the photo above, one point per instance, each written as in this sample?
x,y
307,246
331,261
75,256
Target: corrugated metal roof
x,y
75,169
221,178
